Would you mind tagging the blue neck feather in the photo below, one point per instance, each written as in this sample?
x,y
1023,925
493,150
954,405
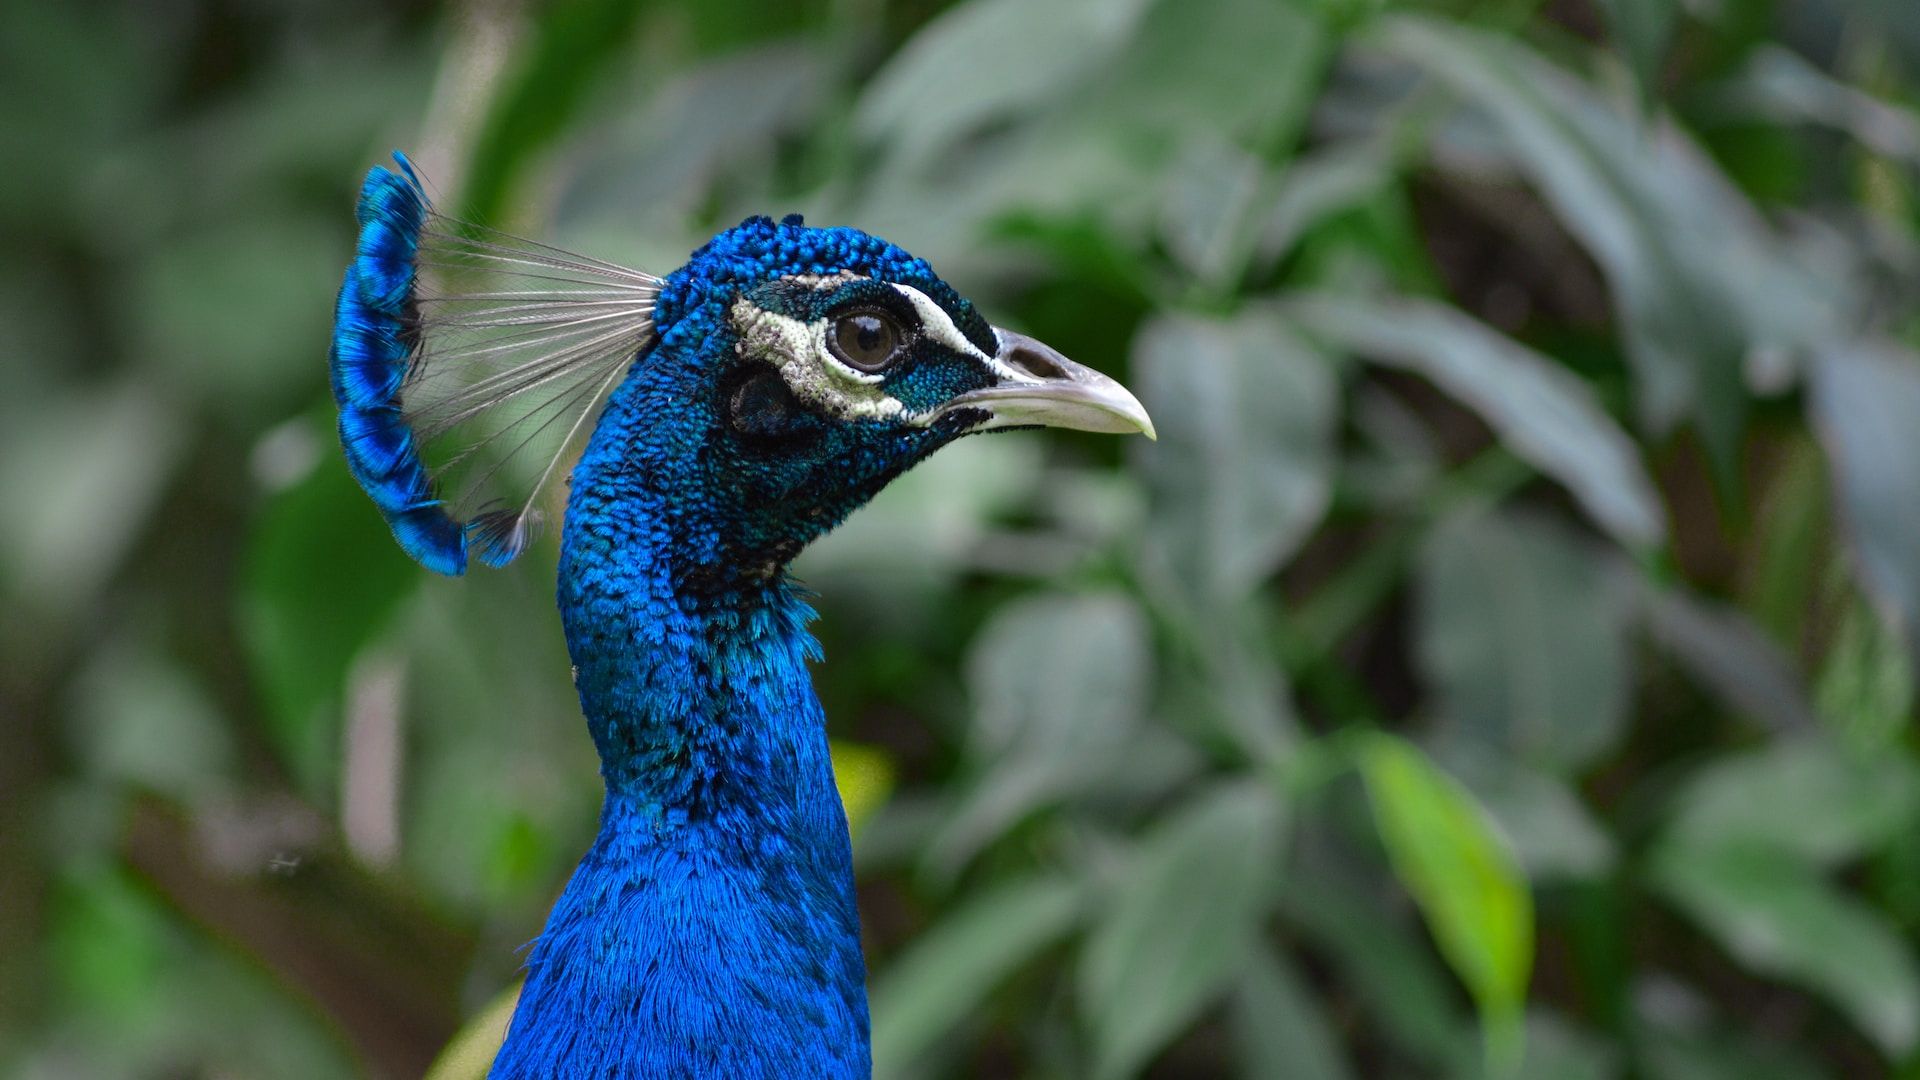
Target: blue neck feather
x,y
711,929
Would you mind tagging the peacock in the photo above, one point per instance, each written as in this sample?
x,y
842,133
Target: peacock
x,y
724,416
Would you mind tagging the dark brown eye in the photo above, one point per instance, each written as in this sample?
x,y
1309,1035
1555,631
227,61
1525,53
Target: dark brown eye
x,y
865,341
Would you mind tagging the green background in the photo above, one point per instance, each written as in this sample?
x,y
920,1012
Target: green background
x,y
1501,666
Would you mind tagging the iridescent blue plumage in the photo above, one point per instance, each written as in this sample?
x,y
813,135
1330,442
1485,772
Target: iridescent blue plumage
x,y
785,375
369,365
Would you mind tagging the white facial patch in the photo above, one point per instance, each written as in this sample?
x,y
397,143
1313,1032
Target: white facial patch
x,y
798,350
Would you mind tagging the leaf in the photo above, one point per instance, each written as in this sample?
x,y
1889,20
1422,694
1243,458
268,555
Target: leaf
x,y
86,469
864,775
723,118
947,971
1522,629
1391,971
1540,411
1866,687
320,578
1318,185
1279,1027
1059,688
569,51
469,1054
1641,30
1778,917
1819,806
1242,471
1781,87
1179,929
982,60
1699,281
1554,835
1465,879
1865,399
1728,655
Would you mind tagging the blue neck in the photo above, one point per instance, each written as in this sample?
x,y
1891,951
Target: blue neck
x,y
711,930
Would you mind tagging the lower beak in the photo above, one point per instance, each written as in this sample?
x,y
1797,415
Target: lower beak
x,y
1038,386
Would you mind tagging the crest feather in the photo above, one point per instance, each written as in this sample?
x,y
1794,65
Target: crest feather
x,y
459,350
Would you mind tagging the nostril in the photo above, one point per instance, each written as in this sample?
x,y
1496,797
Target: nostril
x,y
1034,362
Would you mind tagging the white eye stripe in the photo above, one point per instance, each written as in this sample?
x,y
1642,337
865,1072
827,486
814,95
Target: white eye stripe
x,y
938,325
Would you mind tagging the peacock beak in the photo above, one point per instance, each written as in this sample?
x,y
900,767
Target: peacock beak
x,y
1038,386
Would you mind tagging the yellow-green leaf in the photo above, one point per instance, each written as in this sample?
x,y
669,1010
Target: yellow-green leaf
x,y
1464,877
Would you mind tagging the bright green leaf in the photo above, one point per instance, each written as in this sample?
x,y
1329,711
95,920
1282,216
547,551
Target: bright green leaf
x,y
1464,877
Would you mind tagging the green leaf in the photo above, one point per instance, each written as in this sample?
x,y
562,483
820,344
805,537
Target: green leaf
x,y
1865,399
1641,29
1522,628
1318,185
1279,1028
469,1054
982,60
1866,688
320,579
1728,655
1465,879
938,982
1557,1050
1554,835
1700,282
568,54
1820,805
1388,967
87,468
864,775
1179,929
1780,918
1242,471
1059,686
1541,412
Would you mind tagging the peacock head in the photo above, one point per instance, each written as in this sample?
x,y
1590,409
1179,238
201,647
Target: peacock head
x,y
765,389
810,366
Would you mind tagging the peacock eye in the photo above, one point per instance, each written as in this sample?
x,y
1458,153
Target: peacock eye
x,y
865,340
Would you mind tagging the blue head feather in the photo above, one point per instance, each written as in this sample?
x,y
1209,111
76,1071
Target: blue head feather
x,y
368,365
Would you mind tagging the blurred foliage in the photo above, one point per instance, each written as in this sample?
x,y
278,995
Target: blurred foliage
x,y
1503,664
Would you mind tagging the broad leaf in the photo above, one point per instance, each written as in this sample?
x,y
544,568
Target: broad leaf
x,y
1180,926
1059,687
1820,805
1242,471
982,60
1865,401
1540,411
942,977
1779,917
1728,655
1278,1026
1700,282
1522,629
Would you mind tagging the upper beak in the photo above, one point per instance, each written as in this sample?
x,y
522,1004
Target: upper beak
x,y
1039,386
